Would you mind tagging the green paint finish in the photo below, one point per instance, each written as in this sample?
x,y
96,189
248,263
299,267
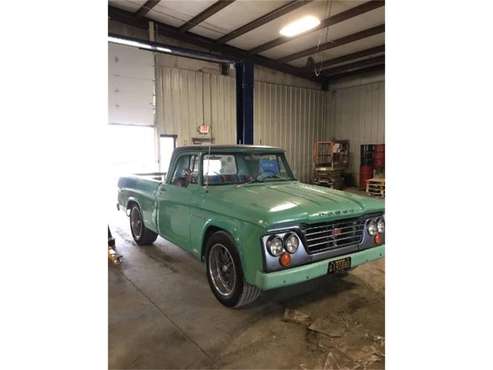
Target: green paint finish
x,y
299,274
184,215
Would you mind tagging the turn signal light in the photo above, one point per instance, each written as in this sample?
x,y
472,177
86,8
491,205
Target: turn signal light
x,y
378,239
285,259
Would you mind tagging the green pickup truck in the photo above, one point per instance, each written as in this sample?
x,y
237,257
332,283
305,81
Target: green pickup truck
x,y
240,209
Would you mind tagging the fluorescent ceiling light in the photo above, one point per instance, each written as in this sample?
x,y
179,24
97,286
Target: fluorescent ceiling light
x,y
138,44
301,25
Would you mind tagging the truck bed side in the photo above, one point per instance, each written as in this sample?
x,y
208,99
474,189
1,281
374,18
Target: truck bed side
x,y
140,190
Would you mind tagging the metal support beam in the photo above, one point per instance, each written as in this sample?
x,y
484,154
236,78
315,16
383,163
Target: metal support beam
x,y
146,8
337,18
376,68
224,51
334,43
244,103
350,57
354,66
209,12
177,50
276,13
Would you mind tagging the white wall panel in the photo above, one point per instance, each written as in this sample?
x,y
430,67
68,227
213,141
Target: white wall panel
x,y
191,98
261,73
359,115
292,118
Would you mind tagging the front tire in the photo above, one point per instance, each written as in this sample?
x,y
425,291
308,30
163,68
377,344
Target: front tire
x,y
141,234
225,274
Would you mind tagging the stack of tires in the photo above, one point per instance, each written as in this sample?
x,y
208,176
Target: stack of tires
x,y
366,165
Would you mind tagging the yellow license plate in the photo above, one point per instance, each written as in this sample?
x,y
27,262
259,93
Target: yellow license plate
x,y
340,265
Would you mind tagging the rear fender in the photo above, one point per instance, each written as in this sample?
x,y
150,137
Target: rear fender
x,y
129,201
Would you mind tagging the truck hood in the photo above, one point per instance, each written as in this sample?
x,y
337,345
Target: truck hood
x,y
292,202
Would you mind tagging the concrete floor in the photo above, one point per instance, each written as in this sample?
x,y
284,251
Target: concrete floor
x,y
162,314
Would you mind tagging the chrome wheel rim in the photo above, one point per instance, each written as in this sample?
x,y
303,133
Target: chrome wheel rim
x,y
136,222
222,270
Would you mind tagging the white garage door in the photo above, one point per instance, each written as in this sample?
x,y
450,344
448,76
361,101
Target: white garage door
x,y
131,139
130,85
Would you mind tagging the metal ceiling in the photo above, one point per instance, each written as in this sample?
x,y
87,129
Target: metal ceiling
x,y
349,40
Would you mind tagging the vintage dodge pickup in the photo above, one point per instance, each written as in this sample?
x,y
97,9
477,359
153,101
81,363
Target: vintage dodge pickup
x,y
241,210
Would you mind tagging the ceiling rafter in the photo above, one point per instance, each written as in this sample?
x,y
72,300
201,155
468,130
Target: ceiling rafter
x,y
207,13
375,68
337,18
350,57
256,23
228,51
146,8
334,43
379,60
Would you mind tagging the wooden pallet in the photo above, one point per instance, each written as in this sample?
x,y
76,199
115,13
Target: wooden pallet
x,y
375,187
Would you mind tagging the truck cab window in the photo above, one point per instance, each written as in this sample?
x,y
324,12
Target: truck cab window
x,y
194,166
182,175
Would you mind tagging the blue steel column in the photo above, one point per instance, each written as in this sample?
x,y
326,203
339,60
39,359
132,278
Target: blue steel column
x,y
244,103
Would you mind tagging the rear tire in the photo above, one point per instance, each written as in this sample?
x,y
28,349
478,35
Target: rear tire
x,y
225,274
141,234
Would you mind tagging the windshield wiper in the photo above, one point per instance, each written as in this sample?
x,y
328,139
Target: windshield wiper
x,y
262,178
252,180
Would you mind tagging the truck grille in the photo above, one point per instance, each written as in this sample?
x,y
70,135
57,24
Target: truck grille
x,y
332,235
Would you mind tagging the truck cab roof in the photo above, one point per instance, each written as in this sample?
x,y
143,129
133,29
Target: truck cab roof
x,y
229,148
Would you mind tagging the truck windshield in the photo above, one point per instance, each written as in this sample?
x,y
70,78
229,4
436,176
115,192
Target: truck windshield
x,y
241,168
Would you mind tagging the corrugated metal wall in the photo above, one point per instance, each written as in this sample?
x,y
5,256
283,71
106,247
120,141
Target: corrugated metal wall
x,y
292,118
286,116
190,98
358,113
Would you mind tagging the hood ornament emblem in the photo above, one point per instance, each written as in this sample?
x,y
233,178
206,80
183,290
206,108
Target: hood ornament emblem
x,y
337,231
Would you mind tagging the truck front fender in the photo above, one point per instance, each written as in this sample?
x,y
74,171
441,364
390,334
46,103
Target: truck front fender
x,y
246,237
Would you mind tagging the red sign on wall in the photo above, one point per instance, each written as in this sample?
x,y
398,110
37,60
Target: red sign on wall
x,y
203,129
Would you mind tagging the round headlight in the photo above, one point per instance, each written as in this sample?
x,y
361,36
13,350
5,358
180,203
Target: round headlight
x,y
291,242
381,225
274,245
372,228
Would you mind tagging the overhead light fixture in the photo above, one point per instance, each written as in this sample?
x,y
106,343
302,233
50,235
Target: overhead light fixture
x,y
138,44
126,42
301,25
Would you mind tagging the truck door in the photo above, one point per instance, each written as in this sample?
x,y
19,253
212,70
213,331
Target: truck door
x,y
176,199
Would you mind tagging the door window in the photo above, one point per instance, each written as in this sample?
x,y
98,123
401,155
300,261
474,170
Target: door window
x,y
186,171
